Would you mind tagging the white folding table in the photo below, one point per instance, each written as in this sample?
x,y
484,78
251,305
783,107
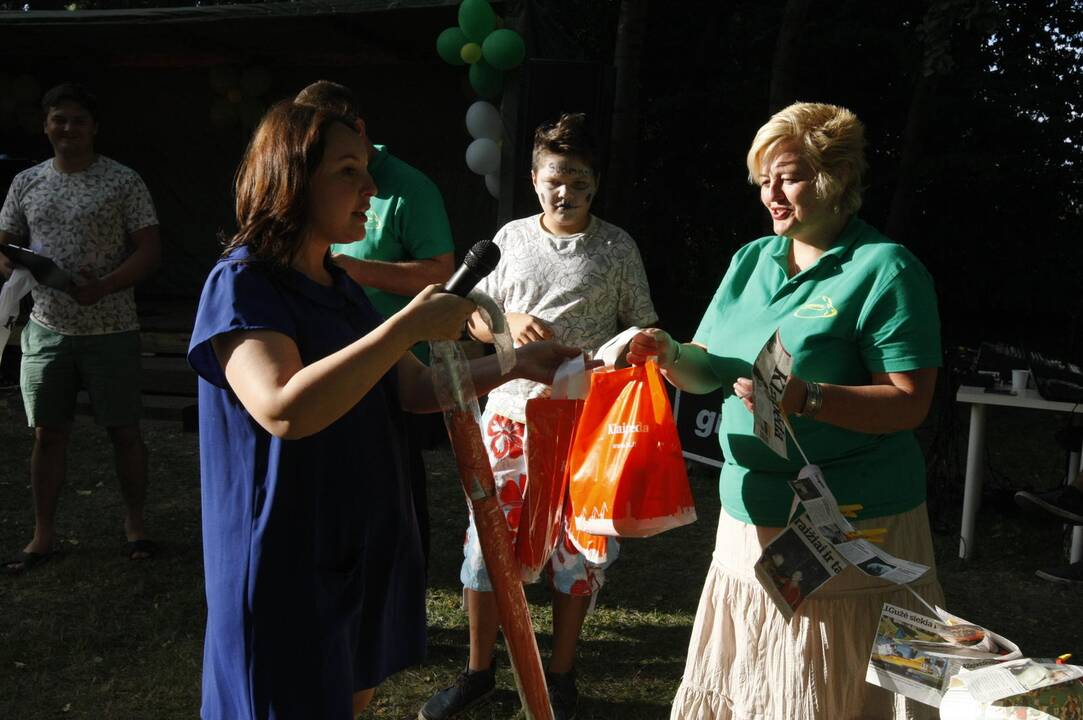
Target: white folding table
x,y
979,400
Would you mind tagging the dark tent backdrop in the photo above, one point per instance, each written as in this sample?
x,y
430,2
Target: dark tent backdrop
x,y
152,72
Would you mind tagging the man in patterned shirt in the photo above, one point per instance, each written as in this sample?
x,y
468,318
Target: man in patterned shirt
x,y
567,275
95,219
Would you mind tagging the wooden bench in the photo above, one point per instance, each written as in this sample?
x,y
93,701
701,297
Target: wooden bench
x,y
168,383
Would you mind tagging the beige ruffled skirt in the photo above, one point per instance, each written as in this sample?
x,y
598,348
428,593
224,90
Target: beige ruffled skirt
x,y
746,663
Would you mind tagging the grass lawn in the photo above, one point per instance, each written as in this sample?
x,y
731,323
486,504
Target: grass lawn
x,y
94,635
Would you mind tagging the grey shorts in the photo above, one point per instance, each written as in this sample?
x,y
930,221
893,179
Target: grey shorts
x,y
56,366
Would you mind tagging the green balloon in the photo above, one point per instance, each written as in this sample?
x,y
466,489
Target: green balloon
x,y
449,44
486,80
504,49
477,19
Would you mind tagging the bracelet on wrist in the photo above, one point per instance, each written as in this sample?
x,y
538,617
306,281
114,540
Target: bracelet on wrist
x,y
814,400
676,356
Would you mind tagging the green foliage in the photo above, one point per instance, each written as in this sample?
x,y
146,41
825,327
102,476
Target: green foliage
x,y
939,25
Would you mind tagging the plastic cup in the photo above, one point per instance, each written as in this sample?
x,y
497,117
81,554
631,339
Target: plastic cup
x,y
1019,381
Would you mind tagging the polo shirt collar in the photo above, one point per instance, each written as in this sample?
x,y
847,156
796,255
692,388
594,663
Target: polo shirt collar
x,y
834,254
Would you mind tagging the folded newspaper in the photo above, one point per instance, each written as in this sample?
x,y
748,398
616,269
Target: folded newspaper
x,y
1022,689
917,656
817,545
770,373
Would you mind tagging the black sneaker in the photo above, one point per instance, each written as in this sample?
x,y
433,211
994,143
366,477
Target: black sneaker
x,y
1066,574
563,695
470,688
1065,502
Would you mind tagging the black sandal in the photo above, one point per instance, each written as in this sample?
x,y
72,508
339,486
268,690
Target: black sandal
x,y
26,561
141,549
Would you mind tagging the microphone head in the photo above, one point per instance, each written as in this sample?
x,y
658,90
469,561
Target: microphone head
x,y
483,257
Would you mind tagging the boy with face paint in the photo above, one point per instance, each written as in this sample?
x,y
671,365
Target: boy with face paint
x,y
568,275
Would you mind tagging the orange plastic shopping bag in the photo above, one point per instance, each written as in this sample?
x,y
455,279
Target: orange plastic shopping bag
x,y
627,476
550,429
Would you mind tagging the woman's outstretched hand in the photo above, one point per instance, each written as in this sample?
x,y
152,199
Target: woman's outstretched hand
x,y
652,341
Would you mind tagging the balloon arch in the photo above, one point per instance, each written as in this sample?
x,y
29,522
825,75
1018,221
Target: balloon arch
x,y
489,51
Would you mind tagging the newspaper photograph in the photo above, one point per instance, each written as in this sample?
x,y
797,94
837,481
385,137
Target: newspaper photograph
x,y
899,663
795,564
769,375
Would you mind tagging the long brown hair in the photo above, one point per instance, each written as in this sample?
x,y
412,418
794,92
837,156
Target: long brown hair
x,y
273,180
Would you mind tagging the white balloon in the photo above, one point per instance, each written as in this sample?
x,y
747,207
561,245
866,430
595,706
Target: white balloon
x,y
483,121
492,184
483,156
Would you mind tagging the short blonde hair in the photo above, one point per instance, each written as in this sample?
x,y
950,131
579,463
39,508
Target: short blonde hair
x,y
832,141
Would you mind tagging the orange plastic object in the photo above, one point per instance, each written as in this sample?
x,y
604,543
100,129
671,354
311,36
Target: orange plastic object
x,y
550,428
496,547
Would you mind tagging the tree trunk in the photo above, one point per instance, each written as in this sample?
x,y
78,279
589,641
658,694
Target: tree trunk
x,y
631,32
788,55
910,152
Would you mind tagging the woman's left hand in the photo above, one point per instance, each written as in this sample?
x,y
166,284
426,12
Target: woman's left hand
x,y
793,395
538,361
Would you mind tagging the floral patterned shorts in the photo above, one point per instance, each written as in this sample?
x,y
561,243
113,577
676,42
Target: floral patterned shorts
x,y
569,572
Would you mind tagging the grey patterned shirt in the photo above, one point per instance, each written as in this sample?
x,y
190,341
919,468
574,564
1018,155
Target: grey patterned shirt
x,y
82,221
587,286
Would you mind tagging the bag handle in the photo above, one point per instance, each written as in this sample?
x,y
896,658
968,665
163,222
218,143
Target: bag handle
x,y
658,390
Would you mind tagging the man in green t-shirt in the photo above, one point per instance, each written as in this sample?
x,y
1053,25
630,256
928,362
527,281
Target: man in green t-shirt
x,y
407,246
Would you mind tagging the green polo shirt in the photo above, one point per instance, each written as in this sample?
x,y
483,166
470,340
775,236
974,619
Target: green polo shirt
x,y
406,221
866,306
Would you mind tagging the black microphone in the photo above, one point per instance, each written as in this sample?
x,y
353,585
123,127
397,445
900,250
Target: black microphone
x,y
480,260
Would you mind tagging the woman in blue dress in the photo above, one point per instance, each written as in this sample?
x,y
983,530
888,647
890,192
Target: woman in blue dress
x,y
310,543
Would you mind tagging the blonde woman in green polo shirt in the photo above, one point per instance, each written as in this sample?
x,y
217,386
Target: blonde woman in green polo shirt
x,y
859,315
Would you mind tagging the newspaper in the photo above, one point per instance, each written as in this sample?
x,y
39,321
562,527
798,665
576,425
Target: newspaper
x,y
989,684
769,375
963,640
817,545
810,488
899,663
1062,700
795,564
